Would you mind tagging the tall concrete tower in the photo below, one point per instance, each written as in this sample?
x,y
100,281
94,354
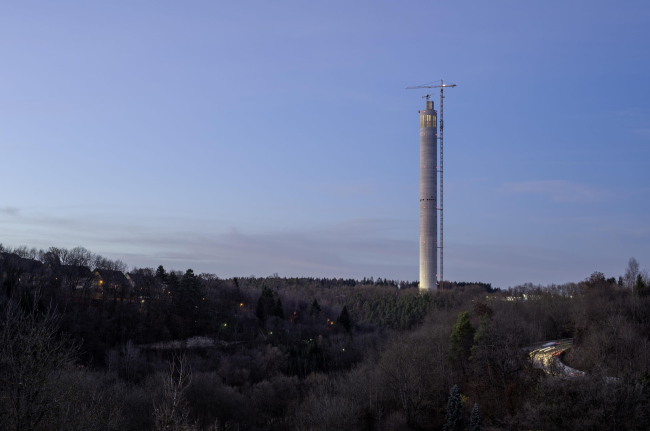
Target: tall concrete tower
x,y
428,197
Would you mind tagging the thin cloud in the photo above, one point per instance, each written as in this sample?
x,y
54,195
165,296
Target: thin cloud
x,y
560,191
12,211
353,248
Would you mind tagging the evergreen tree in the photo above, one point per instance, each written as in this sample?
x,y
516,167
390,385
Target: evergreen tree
x,y
482,336
639,287
462,337
161,274
266,306
475,419
174,285
344,319
278,312
190,294
315,308
259,311
454,419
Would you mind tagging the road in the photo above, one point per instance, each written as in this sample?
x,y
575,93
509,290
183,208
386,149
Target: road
x,y
547,357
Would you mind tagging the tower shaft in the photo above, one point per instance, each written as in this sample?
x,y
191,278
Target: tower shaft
x,y
428,197
442,189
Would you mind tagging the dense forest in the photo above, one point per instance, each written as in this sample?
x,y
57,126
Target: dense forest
x,y
87,344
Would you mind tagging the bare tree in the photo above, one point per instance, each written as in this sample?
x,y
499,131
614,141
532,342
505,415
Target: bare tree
x,y
172,412
39,387
407,373
631,272
31,359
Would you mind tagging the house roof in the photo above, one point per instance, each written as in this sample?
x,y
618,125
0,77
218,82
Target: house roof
x,y
110,275
76,271
20,262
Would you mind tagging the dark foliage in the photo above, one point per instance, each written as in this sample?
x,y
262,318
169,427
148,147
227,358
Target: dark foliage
x,y
275,353
344,320
454,418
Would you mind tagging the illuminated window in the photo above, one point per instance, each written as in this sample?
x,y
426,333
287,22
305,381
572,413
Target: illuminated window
x,y
428,121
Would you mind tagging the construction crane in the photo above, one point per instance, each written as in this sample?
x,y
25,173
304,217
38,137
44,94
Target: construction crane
x,y
442,87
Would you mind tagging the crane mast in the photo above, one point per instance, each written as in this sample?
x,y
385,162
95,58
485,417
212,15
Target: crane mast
x,y
442,86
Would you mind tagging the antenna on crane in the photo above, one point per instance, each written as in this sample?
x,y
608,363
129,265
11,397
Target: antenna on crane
x,y
442,86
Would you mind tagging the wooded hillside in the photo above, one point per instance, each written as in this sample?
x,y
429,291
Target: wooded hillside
x,y
86,344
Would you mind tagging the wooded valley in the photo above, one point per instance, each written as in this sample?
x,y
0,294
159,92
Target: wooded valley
x,y
86,344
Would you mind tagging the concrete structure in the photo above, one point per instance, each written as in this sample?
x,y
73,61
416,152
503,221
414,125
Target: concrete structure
x,y
428,197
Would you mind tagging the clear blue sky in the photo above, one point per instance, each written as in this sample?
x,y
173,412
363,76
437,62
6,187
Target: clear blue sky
x,y
257,137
